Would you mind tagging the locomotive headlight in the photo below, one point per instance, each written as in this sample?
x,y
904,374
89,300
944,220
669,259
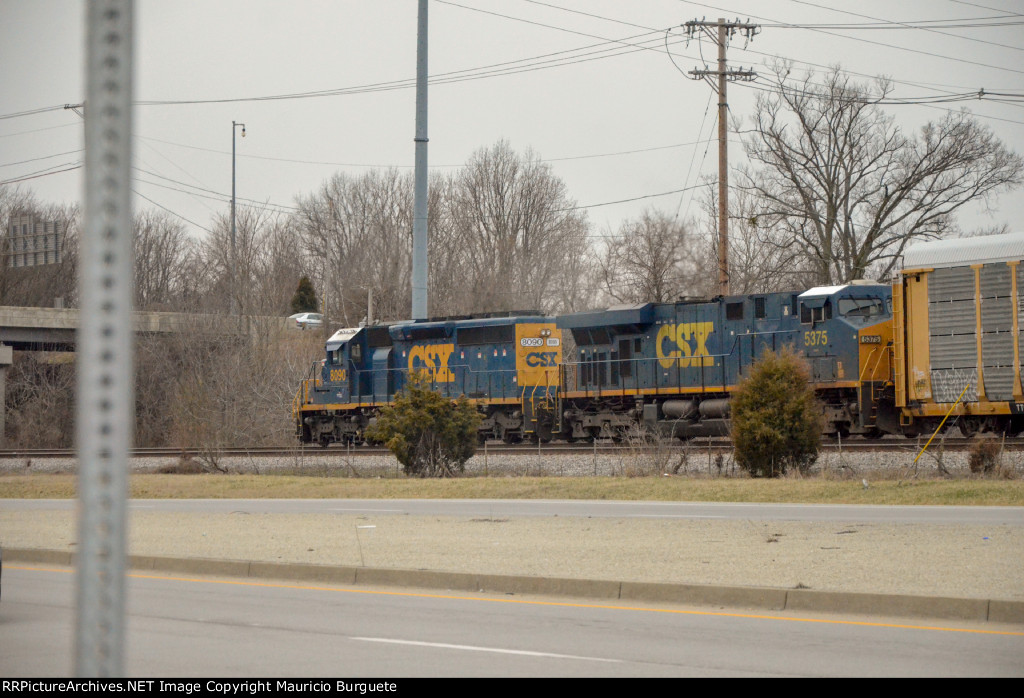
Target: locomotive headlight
x,y
545,332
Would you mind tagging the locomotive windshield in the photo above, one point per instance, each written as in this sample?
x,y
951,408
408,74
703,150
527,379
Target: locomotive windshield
x,y
866,307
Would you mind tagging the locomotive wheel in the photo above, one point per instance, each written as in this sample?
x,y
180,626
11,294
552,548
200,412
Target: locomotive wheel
x,y
325,441
969,427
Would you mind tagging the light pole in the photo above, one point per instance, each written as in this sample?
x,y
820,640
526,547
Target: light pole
x,y
234,253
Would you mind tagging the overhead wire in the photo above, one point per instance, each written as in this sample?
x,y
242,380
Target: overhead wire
x,y
623,201
173,213
934,28
219,196
44,157
986,7
43,173
385,166
878,43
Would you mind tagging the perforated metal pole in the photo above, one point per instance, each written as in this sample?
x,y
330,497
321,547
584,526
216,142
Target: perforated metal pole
x,y
105,406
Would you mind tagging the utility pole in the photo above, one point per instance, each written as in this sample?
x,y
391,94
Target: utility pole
x,y
724,30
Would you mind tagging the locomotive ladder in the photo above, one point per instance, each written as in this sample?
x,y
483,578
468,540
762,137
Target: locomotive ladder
x,y
533,404
877,387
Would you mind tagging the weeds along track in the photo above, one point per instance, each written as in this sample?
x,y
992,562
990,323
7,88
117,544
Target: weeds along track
x,y
606,448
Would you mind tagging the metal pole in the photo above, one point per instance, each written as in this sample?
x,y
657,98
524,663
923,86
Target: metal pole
x,y
419,223
105,401
233,263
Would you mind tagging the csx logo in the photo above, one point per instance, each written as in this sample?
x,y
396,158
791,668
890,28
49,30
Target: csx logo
x,y
433,359
684,345
536,359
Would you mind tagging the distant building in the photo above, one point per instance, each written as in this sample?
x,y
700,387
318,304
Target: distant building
x,y
31,242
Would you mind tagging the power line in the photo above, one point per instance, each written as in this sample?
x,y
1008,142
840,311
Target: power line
x,y
919,25
42,173
624,201
588,14
34,130
44,157
349,164
224,197
986,7
539,62
31,112
492,70
878,43
173,213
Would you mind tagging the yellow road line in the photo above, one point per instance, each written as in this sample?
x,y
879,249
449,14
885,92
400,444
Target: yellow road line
x,y
566,604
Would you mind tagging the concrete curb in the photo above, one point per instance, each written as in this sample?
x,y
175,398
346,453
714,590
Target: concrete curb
x,y
761,598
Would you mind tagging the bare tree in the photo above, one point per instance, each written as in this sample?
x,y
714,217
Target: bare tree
x,y
847,188
760,260
651,258
517,228
357,234
40,400
162,249
222,275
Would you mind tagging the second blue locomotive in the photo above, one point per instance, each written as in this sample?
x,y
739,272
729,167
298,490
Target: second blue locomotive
x,y
673,366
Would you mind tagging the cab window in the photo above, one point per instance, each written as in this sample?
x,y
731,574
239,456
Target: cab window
x,y
809,315
861,307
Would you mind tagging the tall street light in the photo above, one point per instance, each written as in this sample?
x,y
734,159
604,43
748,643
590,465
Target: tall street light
x,y
234,253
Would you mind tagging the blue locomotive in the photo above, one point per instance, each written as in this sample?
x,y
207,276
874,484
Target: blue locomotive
x,y
507,364
672,366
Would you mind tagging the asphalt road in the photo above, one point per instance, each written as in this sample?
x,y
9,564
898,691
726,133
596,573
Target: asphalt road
x,y
853,513
190,627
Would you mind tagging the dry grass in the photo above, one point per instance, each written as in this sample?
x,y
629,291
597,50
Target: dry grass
x,y
798,490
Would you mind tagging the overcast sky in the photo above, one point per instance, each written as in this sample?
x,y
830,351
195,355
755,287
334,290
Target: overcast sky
x,y
586,84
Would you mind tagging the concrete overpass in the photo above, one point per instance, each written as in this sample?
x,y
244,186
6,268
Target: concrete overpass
x,y
53,329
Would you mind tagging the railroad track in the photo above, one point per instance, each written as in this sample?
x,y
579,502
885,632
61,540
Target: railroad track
x,y
698,445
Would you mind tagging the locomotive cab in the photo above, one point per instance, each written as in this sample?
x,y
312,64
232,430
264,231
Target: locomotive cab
x,y
343,363
846,337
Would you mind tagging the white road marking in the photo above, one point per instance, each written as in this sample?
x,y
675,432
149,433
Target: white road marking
x,y
677,516
365,509
474,648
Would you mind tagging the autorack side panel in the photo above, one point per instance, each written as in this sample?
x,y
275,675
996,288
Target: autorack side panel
x,y
997,321
972,323
953,334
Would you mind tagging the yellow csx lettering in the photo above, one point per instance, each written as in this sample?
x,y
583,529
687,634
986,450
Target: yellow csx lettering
x,y
434,359
338,375
687,345
541,358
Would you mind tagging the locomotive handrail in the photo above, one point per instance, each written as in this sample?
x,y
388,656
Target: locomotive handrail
x,y
358,396
570,375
